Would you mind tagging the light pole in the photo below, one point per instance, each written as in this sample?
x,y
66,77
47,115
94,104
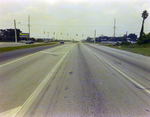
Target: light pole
x,y
15,30
29,25
48,35
94,36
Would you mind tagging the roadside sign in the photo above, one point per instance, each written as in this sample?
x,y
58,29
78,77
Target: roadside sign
x,y
24,35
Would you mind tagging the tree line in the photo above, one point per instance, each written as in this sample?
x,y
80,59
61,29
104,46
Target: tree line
x,y
131,37
143,38
8,35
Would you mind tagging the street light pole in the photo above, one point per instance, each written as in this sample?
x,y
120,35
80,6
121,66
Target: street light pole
x,y
48,35
114,28
29,25
94,36
15,31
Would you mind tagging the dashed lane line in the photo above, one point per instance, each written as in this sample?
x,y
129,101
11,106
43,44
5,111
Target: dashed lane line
x,y
133,81
126,76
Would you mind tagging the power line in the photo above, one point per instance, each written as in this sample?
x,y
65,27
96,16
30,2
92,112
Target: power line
x,y
147,30
99,26
69,26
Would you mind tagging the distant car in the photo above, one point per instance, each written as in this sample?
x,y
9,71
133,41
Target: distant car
x,y
23,41
46,41
62,42
29,42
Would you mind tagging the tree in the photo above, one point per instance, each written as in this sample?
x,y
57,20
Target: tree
x,y
39,40
132,36
9,34
89,39
144,15
145,38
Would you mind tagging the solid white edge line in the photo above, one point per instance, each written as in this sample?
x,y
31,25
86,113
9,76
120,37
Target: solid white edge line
x,y
133,81
10,113
32,97
21,59
18,59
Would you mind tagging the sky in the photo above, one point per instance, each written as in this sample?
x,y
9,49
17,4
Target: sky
x,y
74,19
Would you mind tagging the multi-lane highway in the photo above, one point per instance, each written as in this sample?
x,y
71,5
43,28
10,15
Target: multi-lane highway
x,y
75,80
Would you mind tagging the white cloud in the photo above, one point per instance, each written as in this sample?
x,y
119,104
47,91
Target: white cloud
x,y
75,16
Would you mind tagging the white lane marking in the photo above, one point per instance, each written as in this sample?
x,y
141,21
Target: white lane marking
x,y
13,112
10,113
133,81
18,59
33,96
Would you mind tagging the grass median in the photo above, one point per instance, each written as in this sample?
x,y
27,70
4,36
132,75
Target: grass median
x,y
5,49
135,48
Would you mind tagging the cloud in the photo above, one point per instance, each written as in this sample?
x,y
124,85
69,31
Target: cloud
x,y
75,16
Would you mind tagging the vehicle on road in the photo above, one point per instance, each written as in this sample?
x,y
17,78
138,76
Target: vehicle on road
x,y
23,41
62,42
29,42
46,41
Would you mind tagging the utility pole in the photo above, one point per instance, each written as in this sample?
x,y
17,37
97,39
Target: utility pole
x,y
127,35
29,25
15,31
56,36
114,27
94,36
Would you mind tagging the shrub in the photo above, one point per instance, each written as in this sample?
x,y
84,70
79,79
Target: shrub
x,y
145,38
125,43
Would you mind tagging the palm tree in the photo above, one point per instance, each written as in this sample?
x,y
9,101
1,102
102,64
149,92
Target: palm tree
x,y
144,15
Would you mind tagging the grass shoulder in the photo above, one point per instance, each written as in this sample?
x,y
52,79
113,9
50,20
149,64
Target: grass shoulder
x,y
135,48
75,41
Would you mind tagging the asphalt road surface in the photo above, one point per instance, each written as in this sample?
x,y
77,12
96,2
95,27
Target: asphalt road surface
x,y
75,80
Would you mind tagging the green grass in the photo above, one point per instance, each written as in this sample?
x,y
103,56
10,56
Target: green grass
x,y
5,49
75,41
139,49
